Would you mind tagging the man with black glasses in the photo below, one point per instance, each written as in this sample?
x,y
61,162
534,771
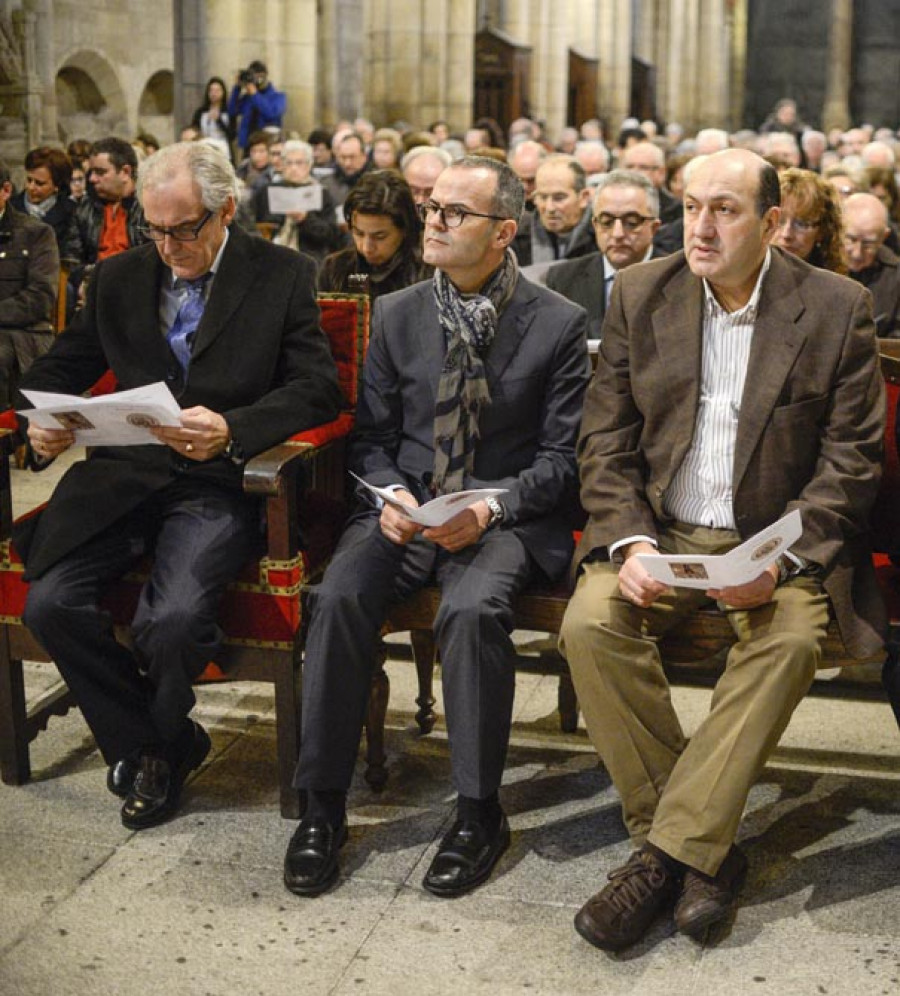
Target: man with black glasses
x,y
230,323
625,218
472,380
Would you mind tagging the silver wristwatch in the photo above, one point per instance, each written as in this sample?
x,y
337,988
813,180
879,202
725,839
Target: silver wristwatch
x,y
498,512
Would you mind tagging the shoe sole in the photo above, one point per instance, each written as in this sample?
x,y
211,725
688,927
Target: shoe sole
x,y
453,892
167,811
311,891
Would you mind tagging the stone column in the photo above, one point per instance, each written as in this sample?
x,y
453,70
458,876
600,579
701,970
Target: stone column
x,y
836,112
680,61
340,61
191,68
738,34
41,97
711,69
294,36
614,50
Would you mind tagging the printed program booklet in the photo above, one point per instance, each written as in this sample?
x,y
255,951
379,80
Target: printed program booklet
x,y
123,418
437,511
738,566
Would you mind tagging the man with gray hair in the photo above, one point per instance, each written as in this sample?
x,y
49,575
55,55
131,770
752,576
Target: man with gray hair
x,y
230,324
524,158
626,217
472,380
421,167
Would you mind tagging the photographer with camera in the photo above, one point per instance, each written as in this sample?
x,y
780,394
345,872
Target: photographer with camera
x,y
255,102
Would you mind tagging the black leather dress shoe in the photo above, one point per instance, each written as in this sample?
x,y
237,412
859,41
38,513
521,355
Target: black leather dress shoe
x,y
311,862
121,775
157,786
466,858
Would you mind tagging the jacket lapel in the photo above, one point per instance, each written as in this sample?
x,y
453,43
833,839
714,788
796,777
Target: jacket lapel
x,y
234,278
514,323
678,333
777,342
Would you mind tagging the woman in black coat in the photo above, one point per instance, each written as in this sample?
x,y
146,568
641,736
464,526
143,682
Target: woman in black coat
x,y
46,197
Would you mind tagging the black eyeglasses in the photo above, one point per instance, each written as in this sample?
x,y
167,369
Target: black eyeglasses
x,y
452,215
631,222
180,233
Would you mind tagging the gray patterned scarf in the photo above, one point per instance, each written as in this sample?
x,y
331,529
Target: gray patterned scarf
x,y
469,323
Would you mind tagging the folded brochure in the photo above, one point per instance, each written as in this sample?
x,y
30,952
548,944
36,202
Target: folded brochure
x,y
119,419
437,511
742,564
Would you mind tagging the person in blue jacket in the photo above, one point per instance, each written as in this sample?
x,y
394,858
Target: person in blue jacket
x,y
255,102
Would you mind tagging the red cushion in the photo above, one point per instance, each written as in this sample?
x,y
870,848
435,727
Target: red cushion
x,y
886,512
345,320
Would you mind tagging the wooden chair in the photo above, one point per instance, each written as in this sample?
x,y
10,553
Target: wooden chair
x,y
261,612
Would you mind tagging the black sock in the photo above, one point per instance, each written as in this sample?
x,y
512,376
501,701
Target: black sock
x,y
673,865
326,805
486,811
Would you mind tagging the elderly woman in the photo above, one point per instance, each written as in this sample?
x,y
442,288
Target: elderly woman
x,y
810,225
385,227
311,228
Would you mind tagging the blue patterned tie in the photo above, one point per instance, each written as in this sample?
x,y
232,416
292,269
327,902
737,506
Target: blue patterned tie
x,y
181,335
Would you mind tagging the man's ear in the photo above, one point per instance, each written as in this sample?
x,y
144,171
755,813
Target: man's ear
x,y
506,232
228,211
584,197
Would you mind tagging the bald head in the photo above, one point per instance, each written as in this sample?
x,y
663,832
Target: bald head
x,y
865,229
730,216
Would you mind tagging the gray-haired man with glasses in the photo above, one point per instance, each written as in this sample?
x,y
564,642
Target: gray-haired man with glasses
x,y
474,379
230,323
625,218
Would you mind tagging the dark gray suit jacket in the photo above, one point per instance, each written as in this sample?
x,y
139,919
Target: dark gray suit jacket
x,y
581,281
259,359
537,370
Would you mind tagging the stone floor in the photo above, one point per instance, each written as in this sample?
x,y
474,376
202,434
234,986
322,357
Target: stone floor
x,y
197,906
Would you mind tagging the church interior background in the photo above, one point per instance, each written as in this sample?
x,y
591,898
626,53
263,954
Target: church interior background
x,y
91,68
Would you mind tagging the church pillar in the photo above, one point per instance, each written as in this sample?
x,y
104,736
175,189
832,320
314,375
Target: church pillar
x,y
614,51
40,77
711,73
836,113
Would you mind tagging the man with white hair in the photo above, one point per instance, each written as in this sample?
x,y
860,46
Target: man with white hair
x,y
870,261
421,167
230,324
879,155
813,144
649,159
593,157
710,140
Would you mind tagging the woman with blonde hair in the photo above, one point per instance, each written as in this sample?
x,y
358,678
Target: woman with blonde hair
x,y
810,225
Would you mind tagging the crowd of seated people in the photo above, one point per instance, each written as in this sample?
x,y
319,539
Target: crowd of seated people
x,y
506,226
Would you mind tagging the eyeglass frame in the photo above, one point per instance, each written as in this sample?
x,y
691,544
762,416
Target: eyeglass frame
x,y
432,207
798,225
630,228
156,233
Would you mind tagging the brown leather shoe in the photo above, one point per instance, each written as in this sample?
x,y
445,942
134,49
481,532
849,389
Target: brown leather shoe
x,y
623,911
706,900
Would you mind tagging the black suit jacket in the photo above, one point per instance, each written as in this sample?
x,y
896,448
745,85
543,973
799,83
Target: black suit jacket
x,y
259,359
581,281
537,370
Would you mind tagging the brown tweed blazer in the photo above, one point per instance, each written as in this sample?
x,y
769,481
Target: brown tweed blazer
x,y
810,427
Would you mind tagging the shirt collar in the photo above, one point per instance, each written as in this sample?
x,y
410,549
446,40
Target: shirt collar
x,y
749,310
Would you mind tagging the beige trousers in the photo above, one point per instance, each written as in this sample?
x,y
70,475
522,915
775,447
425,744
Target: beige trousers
x,y
687,798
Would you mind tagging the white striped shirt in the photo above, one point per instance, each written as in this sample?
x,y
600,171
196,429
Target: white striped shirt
x,y
701,492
